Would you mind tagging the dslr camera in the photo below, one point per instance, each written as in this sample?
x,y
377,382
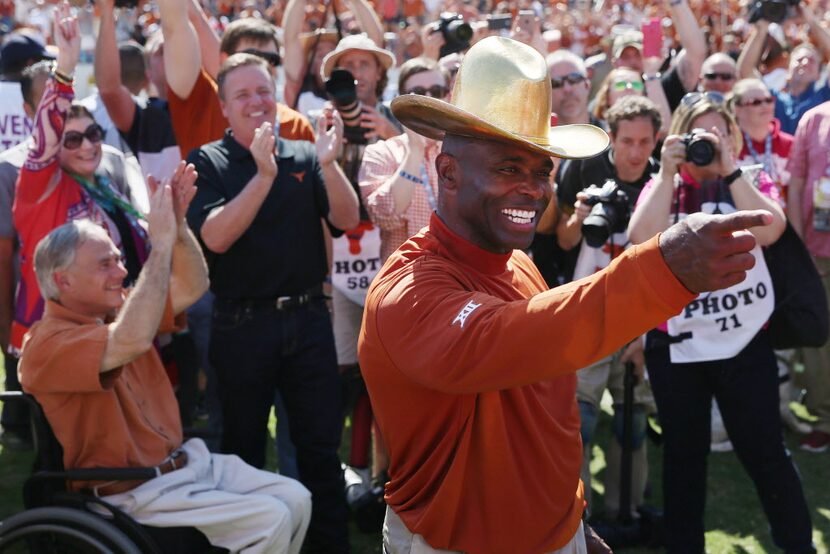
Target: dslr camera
x,y
610,213
341,88
774,11
699,150
457,33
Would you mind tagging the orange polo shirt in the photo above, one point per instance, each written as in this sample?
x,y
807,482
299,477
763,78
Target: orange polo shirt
x,y
470,365
126,417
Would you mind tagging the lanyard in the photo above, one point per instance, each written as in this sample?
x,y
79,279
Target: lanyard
x,y
427,187
768,167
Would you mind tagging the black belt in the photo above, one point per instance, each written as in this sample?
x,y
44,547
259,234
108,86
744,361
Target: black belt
x,y
279,303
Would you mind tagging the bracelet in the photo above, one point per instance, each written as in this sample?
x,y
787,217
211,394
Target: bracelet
x,y
63,78
732,177
654,77
411,177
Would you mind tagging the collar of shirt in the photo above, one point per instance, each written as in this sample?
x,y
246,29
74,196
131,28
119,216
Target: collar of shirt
x,y
237,152
464,251
57,311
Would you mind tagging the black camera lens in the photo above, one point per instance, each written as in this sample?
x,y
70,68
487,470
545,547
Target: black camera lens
x,y
341,88
610,213
457,33
699,151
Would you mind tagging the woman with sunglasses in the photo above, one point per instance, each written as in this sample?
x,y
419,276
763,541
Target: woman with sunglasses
x,y
624,81
717,346
60,179
765,143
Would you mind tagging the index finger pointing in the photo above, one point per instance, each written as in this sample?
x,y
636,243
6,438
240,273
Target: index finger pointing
x,y
745,219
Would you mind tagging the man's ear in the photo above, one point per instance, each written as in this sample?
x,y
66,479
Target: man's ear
x,y
447,168
62,280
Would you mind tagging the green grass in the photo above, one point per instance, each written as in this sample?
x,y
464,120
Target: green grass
x,y
734,520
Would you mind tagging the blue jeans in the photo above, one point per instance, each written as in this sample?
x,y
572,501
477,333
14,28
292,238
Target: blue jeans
x,y
259,350
746,388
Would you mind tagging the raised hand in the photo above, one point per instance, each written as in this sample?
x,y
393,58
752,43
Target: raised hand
x,y
329,141
263,150
711,252
161,219
377,125
67,38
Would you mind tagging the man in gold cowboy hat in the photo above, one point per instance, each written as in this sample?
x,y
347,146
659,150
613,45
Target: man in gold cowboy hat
x,y
469,360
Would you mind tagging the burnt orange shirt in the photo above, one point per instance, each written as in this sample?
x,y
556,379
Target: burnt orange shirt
x,y
198,119
470,365
127,417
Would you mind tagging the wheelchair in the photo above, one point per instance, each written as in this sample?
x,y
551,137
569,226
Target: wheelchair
x,y
60,521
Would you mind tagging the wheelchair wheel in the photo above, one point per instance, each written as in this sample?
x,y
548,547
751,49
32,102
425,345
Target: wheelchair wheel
x,y
54,530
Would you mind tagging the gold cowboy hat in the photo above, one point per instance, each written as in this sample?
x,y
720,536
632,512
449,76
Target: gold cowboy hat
x,y
502,92
352,43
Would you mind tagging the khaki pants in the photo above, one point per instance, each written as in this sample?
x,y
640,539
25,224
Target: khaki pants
x,y
397,539
816,378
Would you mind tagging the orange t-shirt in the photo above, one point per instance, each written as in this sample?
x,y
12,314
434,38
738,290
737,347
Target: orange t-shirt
x,y
198,119
470,365
126,417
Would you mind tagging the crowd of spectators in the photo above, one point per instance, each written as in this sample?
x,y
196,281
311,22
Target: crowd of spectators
x,y
293,240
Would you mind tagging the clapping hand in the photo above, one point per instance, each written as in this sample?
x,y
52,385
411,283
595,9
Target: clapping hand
x,y
329,136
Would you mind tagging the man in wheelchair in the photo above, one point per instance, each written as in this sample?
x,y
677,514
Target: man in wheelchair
x,y
91,364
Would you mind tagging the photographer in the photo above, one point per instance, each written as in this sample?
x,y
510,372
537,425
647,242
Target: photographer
x,y
634,122
717,346
804,90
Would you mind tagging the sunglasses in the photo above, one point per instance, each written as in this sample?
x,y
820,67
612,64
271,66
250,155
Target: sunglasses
x,y
635,85
272,58
757,102
570,78
435,91
721,76
692,98
73,139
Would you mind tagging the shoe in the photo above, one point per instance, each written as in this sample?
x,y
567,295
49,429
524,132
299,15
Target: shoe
x,y
817,441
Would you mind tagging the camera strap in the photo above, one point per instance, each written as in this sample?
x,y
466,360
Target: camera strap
x,y
428,187
767,161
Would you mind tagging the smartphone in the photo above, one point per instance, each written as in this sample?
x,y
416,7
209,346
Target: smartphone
x,y
526,20
499,22
652,37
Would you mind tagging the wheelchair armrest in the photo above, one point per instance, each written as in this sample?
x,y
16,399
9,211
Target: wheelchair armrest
x,y
98,474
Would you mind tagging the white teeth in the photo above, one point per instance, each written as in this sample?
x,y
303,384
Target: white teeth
x,y
519,216
256,114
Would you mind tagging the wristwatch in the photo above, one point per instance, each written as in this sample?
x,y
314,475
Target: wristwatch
x,y
653,77
732,177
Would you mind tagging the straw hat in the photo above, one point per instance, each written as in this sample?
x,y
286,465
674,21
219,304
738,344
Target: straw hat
x,y
502,92
351,43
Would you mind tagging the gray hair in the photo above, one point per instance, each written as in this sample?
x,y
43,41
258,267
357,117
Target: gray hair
x,y
565,55
56,252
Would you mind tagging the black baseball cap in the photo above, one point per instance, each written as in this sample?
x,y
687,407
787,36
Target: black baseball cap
x,y
19,48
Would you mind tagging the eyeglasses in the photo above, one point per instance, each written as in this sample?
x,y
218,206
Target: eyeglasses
x,y
635,85
692,98
272,58
757,102
73,139
722,76
435,91
570,78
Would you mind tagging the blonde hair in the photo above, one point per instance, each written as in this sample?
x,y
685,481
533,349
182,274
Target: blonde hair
x,y
686,114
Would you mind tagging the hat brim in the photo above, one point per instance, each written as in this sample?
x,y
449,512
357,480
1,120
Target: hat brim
x,y
434,118
385,58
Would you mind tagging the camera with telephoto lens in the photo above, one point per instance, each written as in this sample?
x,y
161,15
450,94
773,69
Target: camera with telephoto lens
x,y
774,11
699,150
609,214
457,33
341,88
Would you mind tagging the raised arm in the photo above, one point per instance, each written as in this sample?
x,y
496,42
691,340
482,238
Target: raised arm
x,y
208,40
182,56
117,98
691,38
818,32
753,49
294,61
368,20
135,327
344,206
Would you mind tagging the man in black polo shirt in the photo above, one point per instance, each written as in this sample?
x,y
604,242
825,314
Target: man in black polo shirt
x,y
633,125
258,216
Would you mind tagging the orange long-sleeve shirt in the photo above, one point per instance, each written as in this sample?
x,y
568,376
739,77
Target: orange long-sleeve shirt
x,y
470,368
